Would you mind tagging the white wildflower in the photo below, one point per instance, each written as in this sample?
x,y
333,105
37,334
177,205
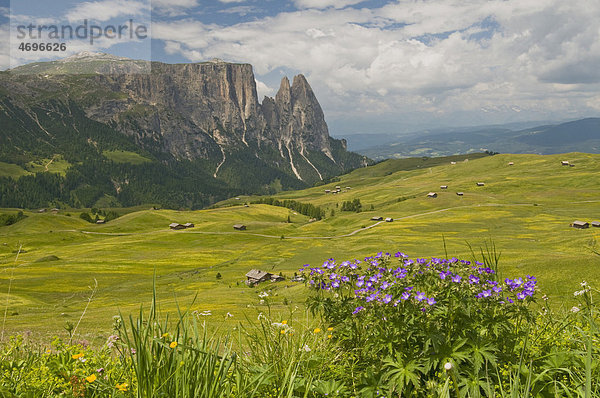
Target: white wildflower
x,y
583,284
229,315
575,309
447,366
263,294
306,348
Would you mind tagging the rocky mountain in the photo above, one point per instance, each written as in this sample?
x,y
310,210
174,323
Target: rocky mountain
x,y
206,116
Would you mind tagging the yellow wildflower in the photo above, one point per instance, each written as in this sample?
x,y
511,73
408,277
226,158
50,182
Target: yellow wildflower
x,y
317,330
91,378
122,387
173,344
165,335
284,322
330,329
329,336
282,331
77,356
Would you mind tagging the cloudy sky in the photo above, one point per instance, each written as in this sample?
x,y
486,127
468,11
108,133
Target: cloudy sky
x,y
384,66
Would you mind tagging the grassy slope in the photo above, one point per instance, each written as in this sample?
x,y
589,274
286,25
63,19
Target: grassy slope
x,y
12,170
125,157
534,239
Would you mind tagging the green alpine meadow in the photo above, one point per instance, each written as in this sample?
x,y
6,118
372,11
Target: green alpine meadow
x,y
142,309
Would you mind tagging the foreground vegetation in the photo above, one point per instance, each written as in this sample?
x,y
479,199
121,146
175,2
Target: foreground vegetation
x,y
386,326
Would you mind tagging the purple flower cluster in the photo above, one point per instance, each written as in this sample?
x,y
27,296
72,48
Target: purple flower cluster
x,y
422,282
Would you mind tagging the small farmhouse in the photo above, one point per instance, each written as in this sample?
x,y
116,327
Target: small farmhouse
x,y
443,186
41,210
377,218
327,190
564,163
511,163
432,195
239,227
460,193
100,222
596,224
389,219
256,276
580,224
188,225
480,184
176,225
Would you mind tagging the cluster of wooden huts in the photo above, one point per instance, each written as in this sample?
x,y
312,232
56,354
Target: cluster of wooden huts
x,y
175,225
337,189
379,218
256,276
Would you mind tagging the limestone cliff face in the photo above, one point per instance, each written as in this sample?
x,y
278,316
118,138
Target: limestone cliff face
x,y
207,111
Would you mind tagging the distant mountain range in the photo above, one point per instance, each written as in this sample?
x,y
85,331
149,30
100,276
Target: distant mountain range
x,y
574,136
133,132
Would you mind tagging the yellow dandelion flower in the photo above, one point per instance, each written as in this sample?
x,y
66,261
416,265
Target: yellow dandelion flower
x,y
317,330
330,329
173,344
165,335
329,336
284,322
77,356
91,378
282,331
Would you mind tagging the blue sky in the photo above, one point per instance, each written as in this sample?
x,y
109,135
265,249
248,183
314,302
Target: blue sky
x,y
376,66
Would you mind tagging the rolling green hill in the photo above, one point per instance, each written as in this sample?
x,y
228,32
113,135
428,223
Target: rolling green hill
x,y
525,209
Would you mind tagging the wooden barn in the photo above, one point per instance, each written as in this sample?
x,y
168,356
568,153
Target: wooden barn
x,y
377,218
176,225
443,186
460,193
432,195
239,227
480,184
255,276
564,163
596,224
580,224
389,219
189,225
